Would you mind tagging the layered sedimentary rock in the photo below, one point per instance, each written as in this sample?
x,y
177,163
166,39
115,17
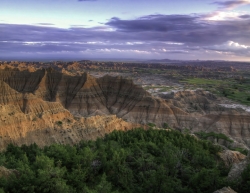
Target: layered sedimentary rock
x,y
36,103
231,157
205,114
36,112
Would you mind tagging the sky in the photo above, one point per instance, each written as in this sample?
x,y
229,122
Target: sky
x,y
125,29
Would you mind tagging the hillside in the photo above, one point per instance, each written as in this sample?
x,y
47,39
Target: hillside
x,y
135,161
46,106
138,160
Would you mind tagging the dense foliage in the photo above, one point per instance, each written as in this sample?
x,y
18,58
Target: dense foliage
x,y
132,161
213,135
223,138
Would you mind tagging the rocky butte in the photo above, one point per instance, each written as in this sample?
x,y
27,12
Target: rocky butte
x,y
46,106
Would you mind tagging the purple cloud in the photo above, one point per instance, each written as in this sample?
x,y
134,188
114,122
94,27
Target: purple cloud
x,y
152,34
189,29
164,23
244,16
231,4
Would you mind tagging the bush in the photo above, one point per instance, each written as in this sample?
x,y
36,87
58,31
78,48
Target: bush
x,y
59,122
217,136
151,125
165,126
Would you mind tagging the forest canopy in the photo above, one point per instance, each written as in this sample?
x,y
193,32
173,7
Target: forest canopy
x,y
134,161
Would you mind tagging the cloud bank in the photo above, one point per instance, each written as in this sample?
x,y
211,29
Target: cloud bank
x,y
150,36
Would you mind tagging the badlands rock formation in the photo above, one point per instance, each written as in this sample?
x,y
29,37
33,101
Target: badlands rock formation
x,y
205,114
238,167
47,106
31,110
231,157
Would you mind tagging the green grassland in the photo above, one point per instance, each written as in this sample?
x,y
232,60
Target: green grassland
x,y
203,81
237,90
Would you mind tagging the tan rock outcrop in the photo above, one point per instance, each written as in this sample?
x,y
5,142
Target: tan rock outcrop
x,y
230,157
225,190
238,168
4,172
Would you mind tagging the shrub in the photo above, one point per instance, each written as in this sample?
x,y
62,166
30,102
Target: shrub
x,y
59,122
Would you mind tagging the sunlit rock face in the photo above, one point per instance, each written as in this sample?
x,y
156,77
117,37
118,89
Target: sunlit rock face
x,y
38,112
43,105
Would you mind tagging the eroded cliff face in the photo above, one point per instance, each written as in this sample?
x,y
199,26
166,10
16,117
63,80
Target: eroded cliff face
x,y
205,114
37,112
42,106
